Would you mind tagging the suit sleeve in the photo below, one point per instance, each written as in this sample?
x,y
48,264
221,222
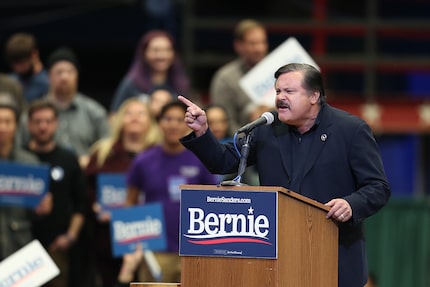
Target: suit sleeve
x,y
372,188
218,158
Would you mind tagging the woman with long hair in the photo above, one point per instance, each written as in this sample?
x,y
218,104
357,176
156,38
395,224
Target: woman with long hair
x,y
156,64
134,129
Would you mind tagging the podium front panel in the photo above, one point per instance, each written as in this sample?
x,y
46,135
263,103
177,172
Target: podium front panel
x,y
228,223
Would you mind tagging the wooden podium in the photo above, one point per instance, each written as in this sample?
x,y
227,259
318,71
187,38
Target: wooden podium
x,y
307,249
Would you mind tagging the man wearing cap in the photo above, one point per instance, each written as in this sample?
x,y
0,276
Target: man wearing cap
x,y
15,226
82,120
11,86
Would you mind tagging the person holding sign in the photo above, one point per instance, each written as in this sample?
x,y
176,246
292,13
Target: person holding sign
x,y
15,223
134,129
130,263
157,173
58,230
251,46
313,149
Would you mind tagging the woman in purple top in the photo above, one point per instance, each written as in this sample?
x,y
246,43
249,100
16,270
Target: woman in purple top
x,y
157,173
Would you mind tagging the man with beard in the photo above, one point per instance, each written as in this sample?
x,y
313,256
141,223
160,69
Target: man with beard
x,y
23,56
81,120
58,230
313,149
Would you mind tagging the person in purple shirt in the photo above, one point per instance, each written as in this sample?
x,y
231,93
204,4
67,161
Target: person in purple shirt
x,y
158,172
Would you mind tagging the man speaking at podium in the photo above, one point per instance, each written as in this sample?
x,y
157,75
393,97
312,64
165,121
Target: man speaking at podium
x,y
313,149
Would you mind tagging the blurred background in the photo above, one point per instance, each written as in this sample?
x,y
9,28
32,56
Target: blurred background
x,y
374,54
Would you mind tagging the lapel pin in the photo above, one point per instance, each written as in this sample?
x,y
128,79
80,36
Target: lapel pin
x,y
323,137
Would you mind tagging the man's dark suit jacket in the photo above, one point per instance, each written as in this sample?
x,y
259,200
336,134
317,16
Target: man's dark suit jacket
x,y
343,162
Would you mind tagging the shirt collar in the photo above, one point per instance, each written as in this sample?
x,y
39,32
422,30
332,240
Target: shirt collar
x,y
316,123
72,106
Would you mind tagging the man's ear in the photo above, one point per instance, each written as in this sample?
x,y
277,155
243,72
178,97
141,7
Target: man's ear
x,y
315,97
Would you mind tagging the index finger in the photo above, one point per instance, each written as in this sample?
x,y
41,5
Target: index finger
x,y
187,102
139,246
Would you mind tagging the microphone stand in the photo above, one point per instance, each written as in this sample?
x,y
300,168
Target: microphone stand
x,y
242,164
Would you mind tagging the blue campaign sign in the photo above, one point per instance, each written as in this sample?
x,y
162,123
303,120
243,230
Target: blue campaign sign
x,y
111,190
23,184
141,224
228,223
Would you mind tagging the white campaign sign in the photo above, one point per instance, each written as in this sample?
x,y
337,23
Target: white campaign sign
x,y
258,83
30,266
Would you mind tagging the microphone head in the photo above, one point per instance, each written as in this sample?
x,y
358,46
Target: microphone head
x,y
269,116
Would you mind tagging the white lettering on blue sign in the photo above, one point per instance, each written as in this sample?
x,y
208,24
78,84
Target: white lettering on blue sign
x,y
22,185
222,225
113,195
137,230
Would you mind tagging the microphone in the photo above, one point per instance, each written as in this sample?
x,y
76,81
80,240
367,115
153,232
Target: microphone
x,y
266,118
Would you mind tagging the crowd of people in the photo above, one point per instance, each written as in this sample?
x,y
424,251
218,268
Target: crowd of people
x,y
45,118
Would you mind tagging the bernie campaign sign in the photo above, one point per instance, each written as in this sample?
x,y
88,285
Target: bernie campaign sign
x,y
111,190
23,184
28,267
141,224
226,223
